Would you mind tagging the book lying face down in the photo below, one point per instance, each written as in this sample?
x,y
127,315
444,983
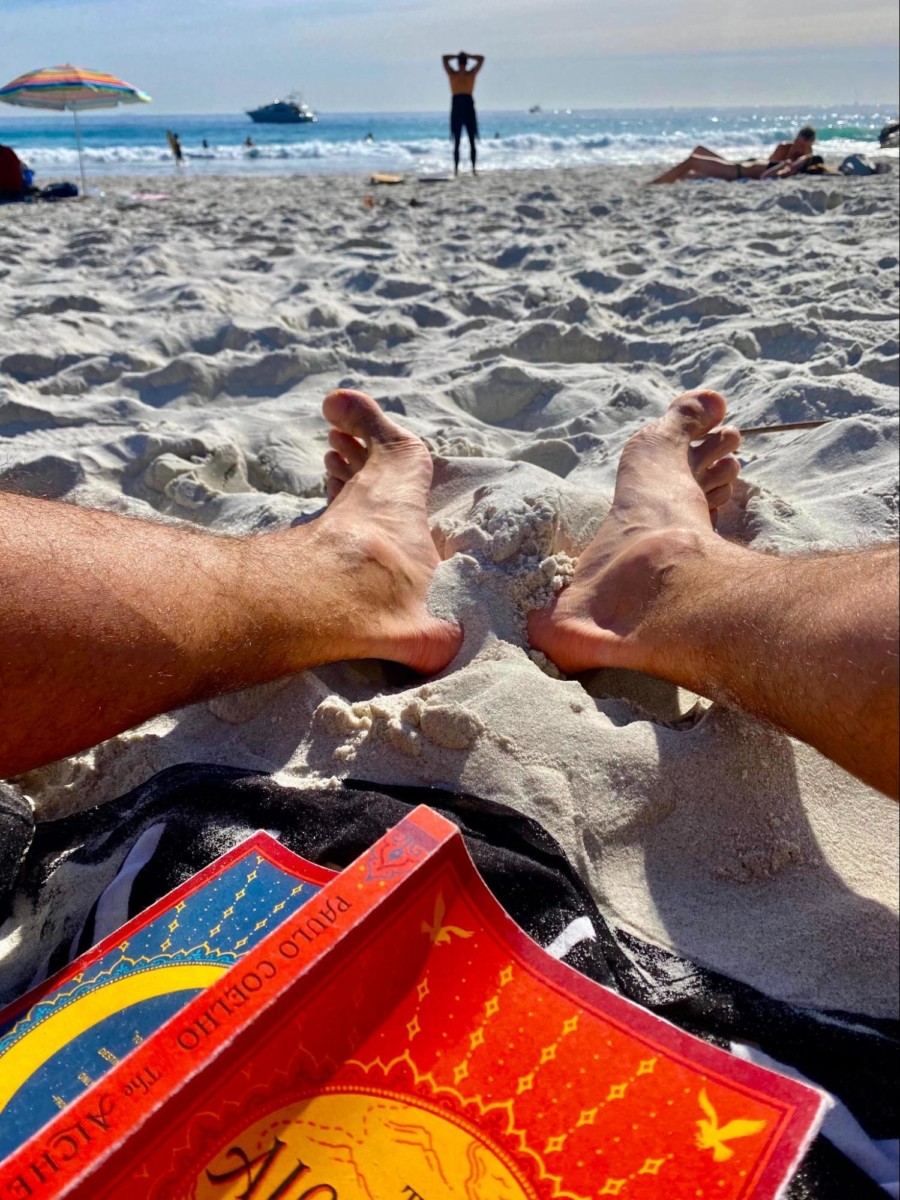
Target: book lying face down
x,y
399,1036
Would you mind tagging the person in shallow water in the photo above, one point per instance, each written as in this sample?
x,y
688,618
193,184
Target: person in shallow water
x,y
788,158
463,117
89,646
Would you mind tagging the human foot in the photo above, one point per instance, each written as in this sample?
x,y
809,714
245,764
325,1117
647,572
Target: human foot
x,y
378,479
667,494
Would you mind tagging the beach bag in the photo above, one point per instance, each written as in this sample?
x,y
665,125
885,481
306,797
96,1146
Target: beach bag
x,y
59,191
857,164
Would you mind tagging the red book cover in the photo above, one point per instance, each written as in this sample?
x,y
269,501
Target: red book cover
x,y
401,1037
63,1036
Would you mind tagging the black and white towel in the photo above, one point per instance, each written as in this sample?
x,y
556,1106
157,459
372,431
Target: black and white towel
x,y
66,884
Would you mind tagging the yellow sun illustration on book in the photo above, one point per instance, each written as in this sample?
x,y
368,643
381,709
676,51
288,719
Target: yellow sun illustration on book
x,y
362,1144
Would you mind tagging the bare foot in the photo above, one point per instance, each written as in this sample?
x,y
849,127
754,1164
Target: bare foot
x,y
667,494
379,477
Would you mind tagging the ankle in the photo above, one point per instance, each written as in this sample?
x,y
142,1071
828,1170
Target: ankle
x,y
679,630
293,586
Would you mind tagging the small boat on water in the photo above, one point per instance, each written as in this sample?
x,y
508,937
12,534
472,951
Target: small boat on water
x,y
292,110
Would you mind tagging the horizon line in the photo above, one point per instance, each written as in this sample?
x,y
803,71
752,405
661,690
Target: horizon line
x,y
34,113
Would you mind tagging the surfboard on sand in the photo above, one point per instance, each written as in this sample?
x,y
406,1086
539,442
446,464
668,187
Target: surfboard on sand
x,y
387,179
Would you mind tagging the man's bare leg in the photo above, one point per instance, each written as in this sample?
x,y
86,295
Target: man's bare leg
x,y
808,643
107,621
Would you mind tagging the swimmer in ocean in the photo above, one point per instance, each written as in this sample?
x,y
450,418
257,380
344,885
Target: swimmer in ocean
x,y
463,118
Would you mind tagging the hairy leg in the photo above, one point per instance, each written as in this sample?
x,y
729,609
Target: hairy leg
x,y
808,643
106,621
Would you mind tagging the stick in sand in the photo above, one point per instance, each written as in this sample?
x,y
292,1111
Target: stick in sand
x,y
784,428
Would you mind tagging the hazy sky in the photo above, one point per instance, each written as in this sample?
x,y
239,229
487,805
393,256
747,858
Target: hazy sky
x,y
378,55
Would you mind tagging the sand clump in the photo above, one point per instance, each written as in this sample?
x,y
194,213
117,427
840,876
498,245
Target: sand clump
x,y
169,360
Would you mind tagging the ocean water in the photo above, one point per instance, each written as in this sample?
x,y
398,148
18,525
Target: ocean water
x,y
125,141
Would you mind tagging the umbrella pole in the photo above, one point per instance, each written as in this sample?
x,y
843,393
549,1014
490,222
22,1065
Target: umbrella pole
x,y
80,151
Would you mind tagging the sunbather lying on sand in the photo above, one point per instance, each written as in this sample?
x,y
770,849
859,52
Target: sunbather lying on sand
x,y
91,646
788,158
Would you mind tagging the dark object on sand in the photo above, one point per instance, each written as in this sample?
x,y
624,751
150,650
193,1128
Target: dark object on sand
x,y
58,191
857,164
12,175
889,138
16,182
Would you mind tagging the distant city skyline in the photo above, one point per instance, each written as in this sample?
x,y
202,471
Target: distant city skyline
x,y
384,55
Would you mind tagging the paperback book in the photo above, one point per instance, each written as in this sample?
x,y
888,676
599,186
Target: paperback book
x,y
398,1037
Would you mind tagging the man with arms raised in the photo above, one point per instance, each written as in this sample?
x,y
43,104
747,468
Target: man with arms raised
x,y
462,115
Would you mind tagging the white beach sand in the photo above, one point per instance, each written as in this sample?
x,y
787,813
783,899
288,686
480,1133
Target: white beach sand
x,y
169,357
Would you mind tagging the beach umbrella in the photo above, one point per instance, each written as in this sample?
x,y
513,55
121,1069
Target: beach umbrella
x,y
72,88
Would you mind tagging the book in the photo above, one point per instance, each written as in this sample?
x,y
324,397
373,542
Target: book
x,y
64,1035
400,1037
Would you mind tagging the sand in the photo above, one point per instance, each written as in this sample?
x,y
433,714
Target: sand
x,y
168,358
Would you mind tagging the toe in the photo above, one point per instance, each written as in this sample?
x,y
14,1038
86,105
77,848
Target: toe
x,y
723,473
714,447
358,415
719,496
694,414
337,468
350,450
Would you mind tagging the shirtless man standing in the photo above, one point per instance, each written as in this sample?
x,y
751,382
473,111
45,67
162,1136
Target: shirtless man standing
x,y
462,114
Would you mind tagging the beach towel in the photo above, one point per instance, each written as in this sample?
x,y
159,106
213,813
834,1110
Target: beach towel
x,y
66,884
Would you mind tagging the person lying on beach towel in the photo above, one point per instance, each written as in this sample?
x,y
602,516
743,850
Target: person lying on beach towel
x,y
89,649
788,158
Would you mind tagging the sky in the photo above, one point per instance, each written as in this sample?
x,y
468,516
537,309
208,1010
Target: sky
x,y
384,55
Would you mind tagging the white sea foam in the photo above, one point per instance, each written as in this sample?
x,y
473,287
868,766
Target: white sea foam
x,y
522,150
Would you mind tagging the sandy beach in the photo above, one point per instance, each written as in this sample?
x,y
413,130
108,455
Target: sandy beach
x,y
165,354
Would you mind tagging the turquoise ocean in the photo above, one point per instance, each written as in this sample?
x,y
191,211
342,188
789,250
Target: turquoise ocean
x,y
126,141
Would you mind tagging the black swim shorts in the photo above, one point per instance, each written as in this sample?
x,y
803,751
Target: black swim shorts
x,y
463,117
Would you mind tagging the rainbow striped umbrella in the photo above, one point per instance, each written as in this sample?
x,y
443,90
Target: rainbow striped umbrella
x,y
72,88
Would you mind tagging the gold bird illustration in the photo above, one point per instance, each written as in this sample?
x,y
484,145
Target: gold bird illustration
x,y
441,934
712,1137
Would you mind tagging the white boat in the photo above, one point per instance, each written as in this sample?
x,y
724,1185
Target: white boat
x,y
292,110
